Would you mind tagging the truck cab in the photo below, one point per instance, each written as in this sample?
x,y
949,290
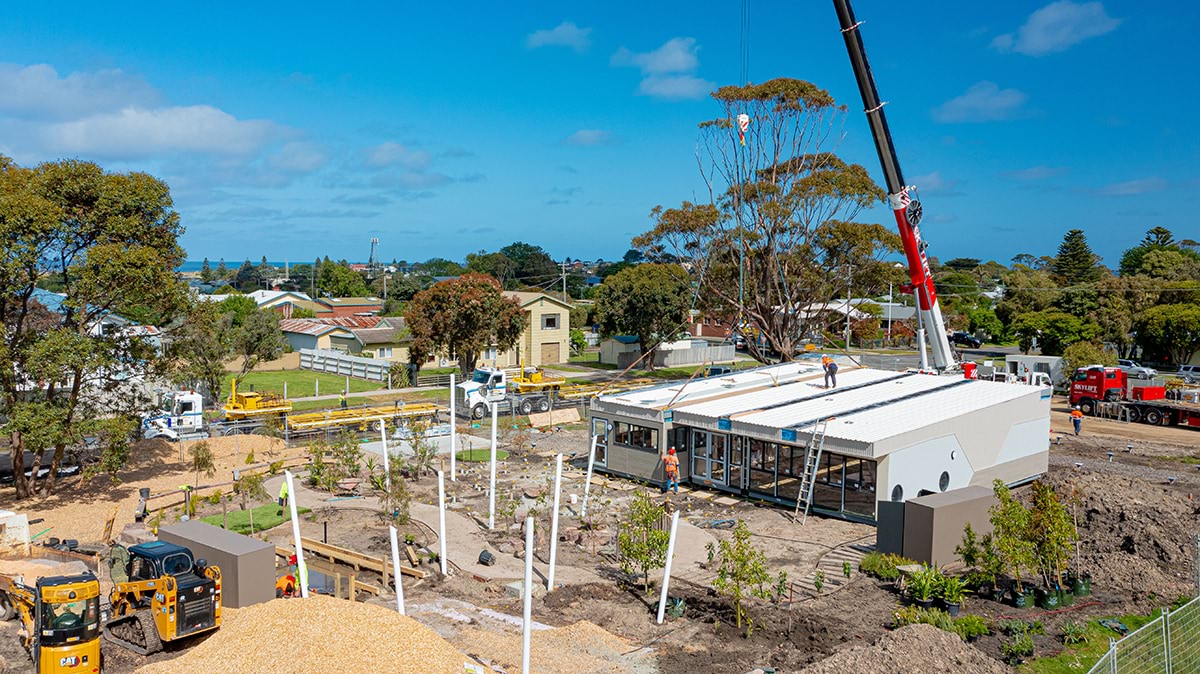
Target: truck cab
x,y
180,415
487,385
1096,383
525,390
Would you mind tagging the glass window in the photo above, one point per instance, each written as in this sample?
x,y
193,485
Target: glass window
x,y
549,321
71,614
699,443
638,437
860,489
174,565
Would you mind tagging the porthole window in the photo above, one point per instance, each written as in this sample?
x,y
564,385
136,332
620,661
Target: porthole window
x,y
944,481
897,493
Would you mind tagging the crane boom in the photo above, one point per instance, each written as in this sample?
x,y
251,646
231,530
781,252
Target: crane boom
x,y
906,208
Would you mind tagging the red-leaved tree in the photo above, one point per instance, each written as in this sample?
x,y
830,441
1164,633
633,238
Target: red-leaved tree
x,y
462,317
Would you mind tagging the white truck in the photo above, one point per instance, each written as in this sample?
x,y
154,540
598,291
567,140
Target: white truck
x,y
180,417
524,394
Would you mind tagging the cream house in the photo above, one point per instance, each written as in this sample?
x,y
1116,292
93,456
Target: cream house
x,y
546,340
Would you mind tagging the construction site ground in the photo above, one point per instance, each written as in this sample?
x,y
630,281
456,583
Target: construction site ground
x,y
1137,516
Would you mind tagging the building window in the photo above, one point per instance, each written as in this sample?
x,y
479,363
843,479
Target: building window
x,y
638,437
385,352
489,353
600,431
549,321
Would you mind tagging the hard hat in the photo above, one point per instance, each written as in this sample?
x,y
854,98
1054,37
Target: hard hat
x,y
671,450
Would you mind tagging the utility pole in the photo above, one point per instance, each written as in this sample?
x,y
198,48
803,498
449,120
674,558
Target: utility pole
x,y
849,287
889,316
563,265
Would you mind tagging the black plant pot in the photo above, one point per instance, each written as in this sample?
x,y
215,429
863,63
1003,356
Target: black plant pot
x,y
923,603
952,608
973,638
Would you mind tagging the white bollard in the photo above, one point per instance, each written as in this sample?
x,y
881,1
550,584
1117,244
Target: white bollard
x,y
301,569
396,571
528,589
285,390
453,431
662,600
387,474
554,521
492,479
316,387
587,483
442,520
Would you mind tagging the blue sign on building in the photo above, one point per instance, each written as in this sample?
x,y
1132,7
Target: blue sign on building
x,y
788,434
724,424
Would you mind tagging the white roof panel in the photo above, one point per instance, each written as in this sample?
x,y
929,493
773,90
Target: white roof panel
x,y
682,392
800,390
844,400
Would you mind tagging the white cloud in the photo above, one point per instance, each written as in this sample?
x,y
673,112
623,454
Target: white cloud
x,y
982,102
1132,187
565,34
38,92
669,71
140,132
1036,172
1056,27
298,157
392,153
588,137
677,55
934,183
675,87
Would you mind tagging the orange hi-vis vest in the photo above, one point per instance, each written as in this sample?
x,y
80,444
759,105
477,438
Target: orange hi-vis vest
x,y
672,463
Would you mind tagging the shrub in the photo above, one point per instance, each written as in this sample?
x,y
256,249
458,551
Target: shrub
x,y
819,581
1011,627
847,569
215,497
913,615
1018,647
968,626
951,590
883,566
1073,633
741,571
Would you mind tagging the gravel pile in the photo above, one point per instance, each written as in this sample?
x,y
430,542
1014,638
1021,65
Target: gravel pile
x,y
915,648
321,635
30,570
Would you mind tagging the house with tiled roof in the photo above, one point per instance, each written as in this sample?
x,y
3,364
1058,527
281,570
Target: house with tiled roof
x,y
351,306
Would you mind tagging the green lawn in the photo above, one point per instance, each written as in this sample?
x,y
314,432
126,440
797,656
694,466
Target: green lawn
x,y
477,455
265,517
301,383
1080,657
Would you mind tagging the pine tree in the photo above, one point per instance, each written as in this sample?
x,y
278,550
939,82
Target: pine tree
x,y
206,272
1075,262
222,270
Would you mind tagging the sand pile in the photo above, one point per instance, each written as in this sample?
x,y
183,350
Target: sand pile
x,y
30,570
581,648
916,648
319,635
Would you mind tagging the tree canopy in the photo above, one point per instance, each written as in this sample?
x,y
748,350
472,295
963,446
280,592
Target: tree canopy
x,y
648,300
1075,262
338,280
460,318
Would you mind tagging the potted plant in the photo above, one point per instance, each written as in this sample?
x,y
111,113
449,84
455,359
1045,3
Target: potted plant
x,y
951,591
1046,598
1081,584
1052,532
1010,536
991,565
922,587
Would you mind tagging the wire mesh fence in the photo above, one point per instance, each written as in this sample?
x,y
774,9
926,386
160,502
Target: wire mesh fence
x,y
1169,644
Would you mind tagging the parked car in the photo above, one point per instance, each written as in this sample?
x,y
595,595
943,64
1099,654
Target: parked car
x,y
716,371
1190,373
966,339
1132,368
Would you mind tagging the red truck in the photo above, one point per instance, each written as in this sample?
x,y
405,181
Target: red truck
x,y
1096,386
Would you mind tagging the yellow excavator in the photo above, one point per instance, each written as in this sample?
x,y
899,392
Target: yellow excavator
x,y
60,615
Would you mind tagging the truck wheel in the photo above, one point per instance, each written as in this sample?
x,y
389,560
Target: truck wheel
x,y
526,406
478,411
1153,417
1135,414
543,404
7,612
377,426
1087,406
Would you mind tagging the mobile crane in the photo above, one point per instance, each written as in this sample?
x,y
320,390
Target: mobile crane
x,y
905,206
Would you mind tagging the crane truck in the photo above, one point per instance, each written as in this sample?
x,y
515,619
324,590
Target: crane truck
x,y
181,416
59,607
1096,389
525,390
903,201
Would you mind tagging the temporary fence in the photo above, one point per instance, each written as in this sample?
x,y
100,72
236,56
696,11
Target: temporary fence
x,y
1169,644
336,362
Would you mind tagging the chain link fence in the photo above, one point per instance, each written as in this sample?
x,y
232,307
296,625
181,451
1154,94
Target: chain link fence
x,y
1169,644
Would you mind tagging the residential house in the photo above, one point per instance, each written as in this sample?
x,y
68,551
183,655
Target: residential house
x,y
547,336
307,333
352,306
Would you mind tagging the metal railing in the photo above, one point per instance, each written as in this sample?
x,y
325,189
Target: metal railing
x,y
1169,644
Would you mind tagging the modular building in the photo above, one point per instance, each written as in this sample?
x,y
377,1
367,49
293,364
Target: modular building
x,y
887,435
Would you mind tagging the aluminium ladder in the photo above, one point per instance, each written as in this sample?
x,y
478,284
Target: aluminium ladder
x,y
812,460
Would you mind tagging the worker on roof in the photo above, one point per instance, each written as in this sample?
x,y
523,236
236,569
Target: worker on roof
x,y
672,465
831,369
1076,418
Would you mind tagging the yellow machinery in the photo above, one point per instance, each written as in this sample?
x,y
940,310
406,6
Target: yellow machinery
x,y
161,594
60,616
362,418
243,405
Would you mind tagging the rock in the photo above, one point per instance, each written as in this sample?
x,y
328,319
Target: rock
x,y
506,548
136,533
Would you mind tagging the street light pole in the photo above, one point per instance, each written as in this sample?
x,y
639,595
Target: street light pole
x,y
891,299
849,289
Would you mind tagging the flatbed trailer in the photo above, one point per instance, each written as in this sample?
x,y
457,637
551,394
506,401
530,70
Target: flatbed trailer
x,y
368,418
1107,391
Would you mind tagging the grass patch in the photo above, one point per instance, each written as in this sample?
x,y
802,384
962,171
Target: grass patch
x,y
480,455
1190,460
586,357
302,383
1082,656
265,517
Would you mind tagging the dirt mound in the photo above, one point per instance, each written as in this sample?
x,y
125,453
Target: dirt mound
x,y
29,570
1135,535
319,634
581,648
916,648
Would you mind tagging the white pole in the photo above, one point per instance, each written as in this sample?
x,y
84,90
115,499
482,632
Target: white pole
x,y
587,484
301,569
492,479
387,474
442,520
285,390
528,589
347,389
396,571
554,521
662,601
453,431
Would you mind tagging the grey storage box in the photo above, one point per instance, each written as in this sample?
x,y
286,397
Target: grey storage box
x,y
247,564
933,524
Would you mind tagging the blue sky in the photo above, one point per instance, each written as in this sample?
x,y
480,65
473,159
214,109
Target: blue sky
x,y
447,129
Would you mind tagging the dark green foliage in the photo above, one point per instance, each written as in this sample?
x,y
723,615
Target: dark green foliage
x,y
649,300
1075,262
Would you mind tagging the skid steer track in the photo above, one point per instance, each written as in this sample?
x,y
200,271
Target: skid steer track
x,y
136,632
